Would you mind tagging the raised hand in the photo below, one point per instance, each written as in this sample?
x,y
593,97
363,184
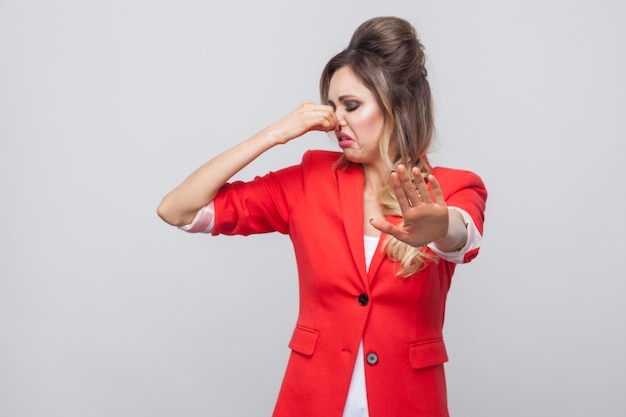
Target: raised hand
x,y
307,117
425,216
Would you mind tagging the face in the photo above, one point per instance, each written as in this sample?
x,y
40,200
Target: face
x,y
360,117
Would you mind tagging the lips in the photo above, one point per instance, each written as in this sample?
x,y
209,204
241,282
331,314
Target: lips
x,y
344,140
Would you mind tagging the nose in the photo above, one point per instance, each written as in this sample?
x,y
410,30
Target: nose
x,y
341,121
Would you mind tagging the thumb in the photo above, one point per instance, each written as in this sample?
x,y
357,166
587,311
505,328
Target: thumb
x,y
383,225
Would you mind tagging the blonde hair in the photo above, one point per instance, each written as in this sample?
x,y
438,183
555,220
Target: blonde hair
x,y
387,56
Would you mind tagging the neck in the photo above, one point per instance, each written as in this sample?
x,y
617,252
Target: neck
x,y
375,177
374,180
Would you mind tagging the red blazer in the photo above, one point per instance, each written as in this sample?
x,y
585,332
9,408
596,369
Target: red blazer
x,y
399,319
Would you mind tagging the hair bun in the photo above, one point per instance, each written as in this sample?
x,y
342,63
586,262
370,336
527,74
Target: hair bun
x,y
394,42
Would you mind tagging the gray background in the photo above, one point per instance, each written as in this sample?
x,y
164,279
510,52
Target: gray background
x,y
107,105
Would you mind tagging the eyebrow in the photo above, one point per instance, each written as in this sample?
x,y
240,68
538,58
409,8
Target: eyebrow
x,y
343,98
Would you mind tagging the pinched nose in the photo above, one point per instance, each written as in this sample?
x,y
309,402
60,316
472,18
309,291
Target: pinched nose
x,y
341,123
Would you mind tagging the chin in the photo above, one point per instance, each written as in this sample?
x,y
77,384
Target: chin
x,y
356,157
351,157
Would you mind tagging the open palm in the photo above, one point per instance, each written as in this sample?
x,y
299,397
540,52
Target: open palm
x,y
424,216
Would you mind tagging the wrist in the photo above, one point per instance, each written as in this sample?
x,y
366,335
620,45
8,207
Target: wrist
x,y
456,236
275,135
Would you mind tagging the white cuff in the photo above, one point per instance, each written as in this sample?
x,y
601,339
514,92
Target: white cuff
x,y
203,222
473,240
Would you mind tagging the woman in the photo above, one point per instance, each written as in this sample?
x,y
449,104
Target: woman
x,y
377,232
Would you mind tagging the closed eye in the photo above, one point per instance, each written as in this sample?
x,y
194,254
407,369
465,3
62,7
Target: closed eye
x,y
351,105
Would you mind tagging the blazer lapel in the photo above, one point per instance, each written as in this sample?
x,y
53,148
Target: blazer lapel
x,y
351,196
380,253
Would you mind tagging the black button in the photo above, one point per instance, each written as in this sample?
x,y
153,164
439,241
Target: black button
x,y
372,358
364,299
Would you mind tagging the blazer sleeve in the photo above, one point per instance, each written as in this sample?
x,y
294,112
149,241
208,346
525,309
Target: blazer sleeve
x,y
465,190
262,205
